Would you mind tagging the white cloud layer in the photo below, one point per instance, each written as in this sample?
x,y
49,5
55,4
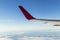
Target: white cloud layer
x,y
37,38
5,39
28,38
31,38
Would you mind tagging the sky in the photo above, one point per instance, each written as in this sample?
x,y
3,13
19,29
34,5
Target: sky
x,y
12,19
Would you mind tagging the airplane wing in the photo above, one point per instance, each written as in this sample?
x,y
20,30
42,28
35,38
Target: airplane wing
x,y
30,17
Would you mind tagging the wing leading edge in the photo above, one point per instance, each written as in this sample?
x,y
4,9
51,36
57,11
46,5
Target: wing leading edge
x,y
30,17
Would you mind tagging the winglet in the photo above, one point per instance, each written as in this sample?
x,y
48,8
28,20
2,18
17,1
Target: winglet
x,y
26,14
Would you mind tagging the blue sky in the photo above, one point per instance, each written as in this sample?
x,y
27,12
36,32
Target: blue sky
x,y
11,18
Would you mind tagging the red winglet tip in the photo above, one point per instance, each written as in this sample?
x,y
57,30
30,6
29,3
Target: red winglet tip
x,y
26,14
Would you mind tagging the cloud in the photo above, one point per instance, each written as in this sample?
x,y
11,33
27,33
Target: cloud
x,y
35,38
5,38
31,38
